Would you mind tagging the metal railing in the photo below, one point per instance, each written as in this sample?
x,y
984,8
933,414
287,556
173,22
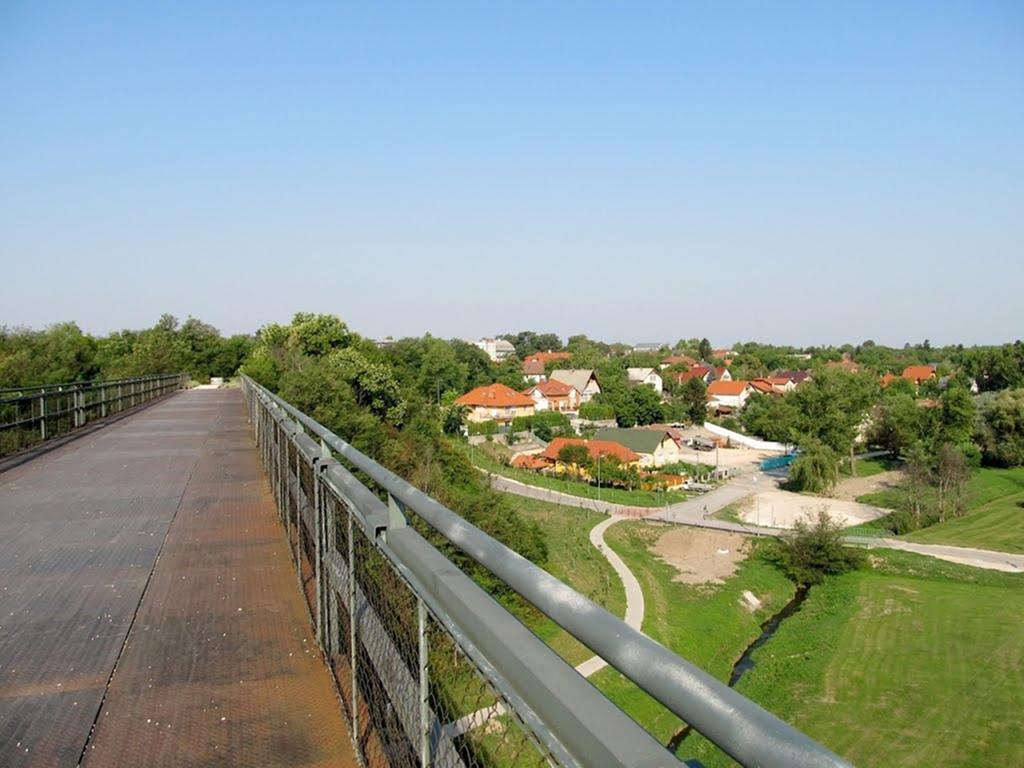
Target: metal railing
x,y
33,415
433,671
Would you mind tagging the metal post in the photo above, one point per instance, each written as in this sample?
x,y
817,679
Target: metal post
x,y
352,618
103,402
42,416
298,516
318,518
424,686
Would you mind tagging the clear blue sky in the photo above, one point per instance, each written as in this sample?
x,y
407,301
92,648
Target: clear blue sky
x,y
804,173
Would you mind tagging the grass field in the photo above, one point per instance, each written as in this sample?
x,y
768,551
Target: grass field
x,y
916,662
869,467
705,624
575,488
572,559
995,519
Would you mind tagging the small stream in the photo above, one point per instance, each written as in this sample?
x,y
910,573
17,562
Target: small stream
x,y
746,661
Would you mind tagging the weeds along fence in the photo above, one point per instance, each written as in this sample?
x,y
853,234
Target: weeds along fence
x,y
32,415
432,670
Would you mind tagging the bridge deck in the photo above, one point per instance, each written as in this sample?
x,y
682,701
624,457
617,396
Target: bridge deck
x,y
146,589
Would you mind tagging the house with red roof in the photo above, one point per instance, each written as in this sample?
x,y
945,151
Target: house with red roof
x,y
496,402
728,396
595,447
703,372
554,396
918,373
671,360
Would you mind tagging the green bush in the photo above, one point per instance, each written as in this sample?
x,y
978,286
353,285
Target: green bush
x,y
813,550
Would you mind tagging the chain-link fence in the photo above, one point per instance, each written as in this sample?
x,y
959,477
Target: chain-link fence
x,y
430,669
33,415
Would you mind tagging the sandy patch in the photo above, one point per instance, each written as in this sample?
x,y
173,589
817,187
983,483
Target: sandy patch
x,y
701,556
781,509
850,488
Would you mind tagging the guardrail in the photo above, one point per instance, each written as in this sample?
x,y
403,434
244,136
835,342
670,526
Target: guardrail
x,y
435,672
33,415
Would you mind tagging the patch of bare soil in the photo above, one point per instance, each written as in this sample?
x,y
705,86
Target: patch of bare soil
x,y
850,488
701,556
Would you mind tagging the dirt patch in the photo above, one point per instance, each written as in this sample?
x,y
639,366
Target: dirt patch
x,y
850,488
781,509
701,556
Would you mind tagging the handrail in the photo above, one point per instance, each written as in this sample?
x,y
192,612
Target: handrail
x,y
32,415
748,733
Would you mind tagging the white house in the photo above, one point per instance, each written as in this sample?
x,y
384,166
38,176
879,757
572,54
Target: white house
x,y
496,349
648,376
728,396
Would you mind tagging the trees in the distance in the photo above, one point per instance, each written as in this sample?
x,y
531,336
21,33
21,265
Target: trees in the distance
x,y
1002,429
816,469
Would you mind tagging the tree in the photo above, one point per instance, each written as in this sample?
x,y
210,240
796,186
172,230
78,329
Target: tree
x,y
898,421
919,477
1002,433
951,475
317,334
816,469
695,395
958,415
704,349
576,456
814,550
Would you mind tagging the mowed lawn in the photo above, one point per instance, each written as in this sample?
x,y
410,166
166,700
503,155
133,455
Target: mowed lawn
x,y
996,517
575,561
913,663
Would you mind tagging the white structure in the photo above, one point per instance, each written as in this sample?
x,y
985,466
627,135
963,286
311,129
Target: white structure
x,y
648,376
737,438
728,395
583,379
496,349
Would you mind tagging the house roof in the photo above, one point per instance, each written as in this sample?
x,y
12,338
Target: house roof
x,y
551,388
918,372
494,396
639,374
720,371
639,440
596,447
530,461
546,357
888,379
797,377
763,385
577,377
696,372
533,367
734,387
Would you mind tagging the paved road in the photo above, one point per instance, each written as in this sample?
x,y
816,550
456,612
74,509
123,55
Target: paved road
x,y
146,586
692,512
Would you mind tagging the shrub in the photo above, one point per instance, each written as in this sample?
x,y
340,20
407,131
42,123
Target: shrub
x,y
813,550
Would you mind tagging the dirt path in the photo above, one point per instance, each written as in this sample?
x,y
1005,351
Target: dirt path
x,y
701,556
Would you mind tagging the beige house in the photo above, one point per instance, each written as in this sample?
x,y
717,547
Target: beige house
x,y
496,402
648,376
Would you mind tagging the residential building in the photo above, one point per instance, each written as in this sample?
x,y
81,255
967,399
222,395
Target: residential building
x,y
728,396
496,402
918,373
648,376
846,364
598,449
703,372
671,360
647,346
496,349
797,377
554,396
722,374
583,379
534,365
533,370
656,447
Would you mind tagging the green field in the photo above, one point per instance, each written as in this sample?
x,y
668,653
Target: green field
x,y
916,662
575,561
575,488
705,624
869,467
995,519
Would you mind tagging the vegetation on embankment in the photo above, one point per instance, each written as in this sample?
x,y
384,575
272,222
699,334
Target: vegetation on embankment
x,y
574,560
913,662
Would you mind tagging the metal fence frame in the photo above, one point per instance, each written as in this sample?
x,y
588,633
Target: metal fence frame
x,y
568,719
33,415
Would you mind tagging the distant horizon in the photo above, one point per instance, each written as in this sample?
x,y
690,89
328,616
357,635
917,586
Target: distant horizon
x,y
796,173
717,344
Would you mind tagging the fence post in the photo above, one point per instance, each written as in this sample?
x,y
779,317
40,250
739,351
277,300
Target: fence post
x,y
352,618
424,686
42,416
